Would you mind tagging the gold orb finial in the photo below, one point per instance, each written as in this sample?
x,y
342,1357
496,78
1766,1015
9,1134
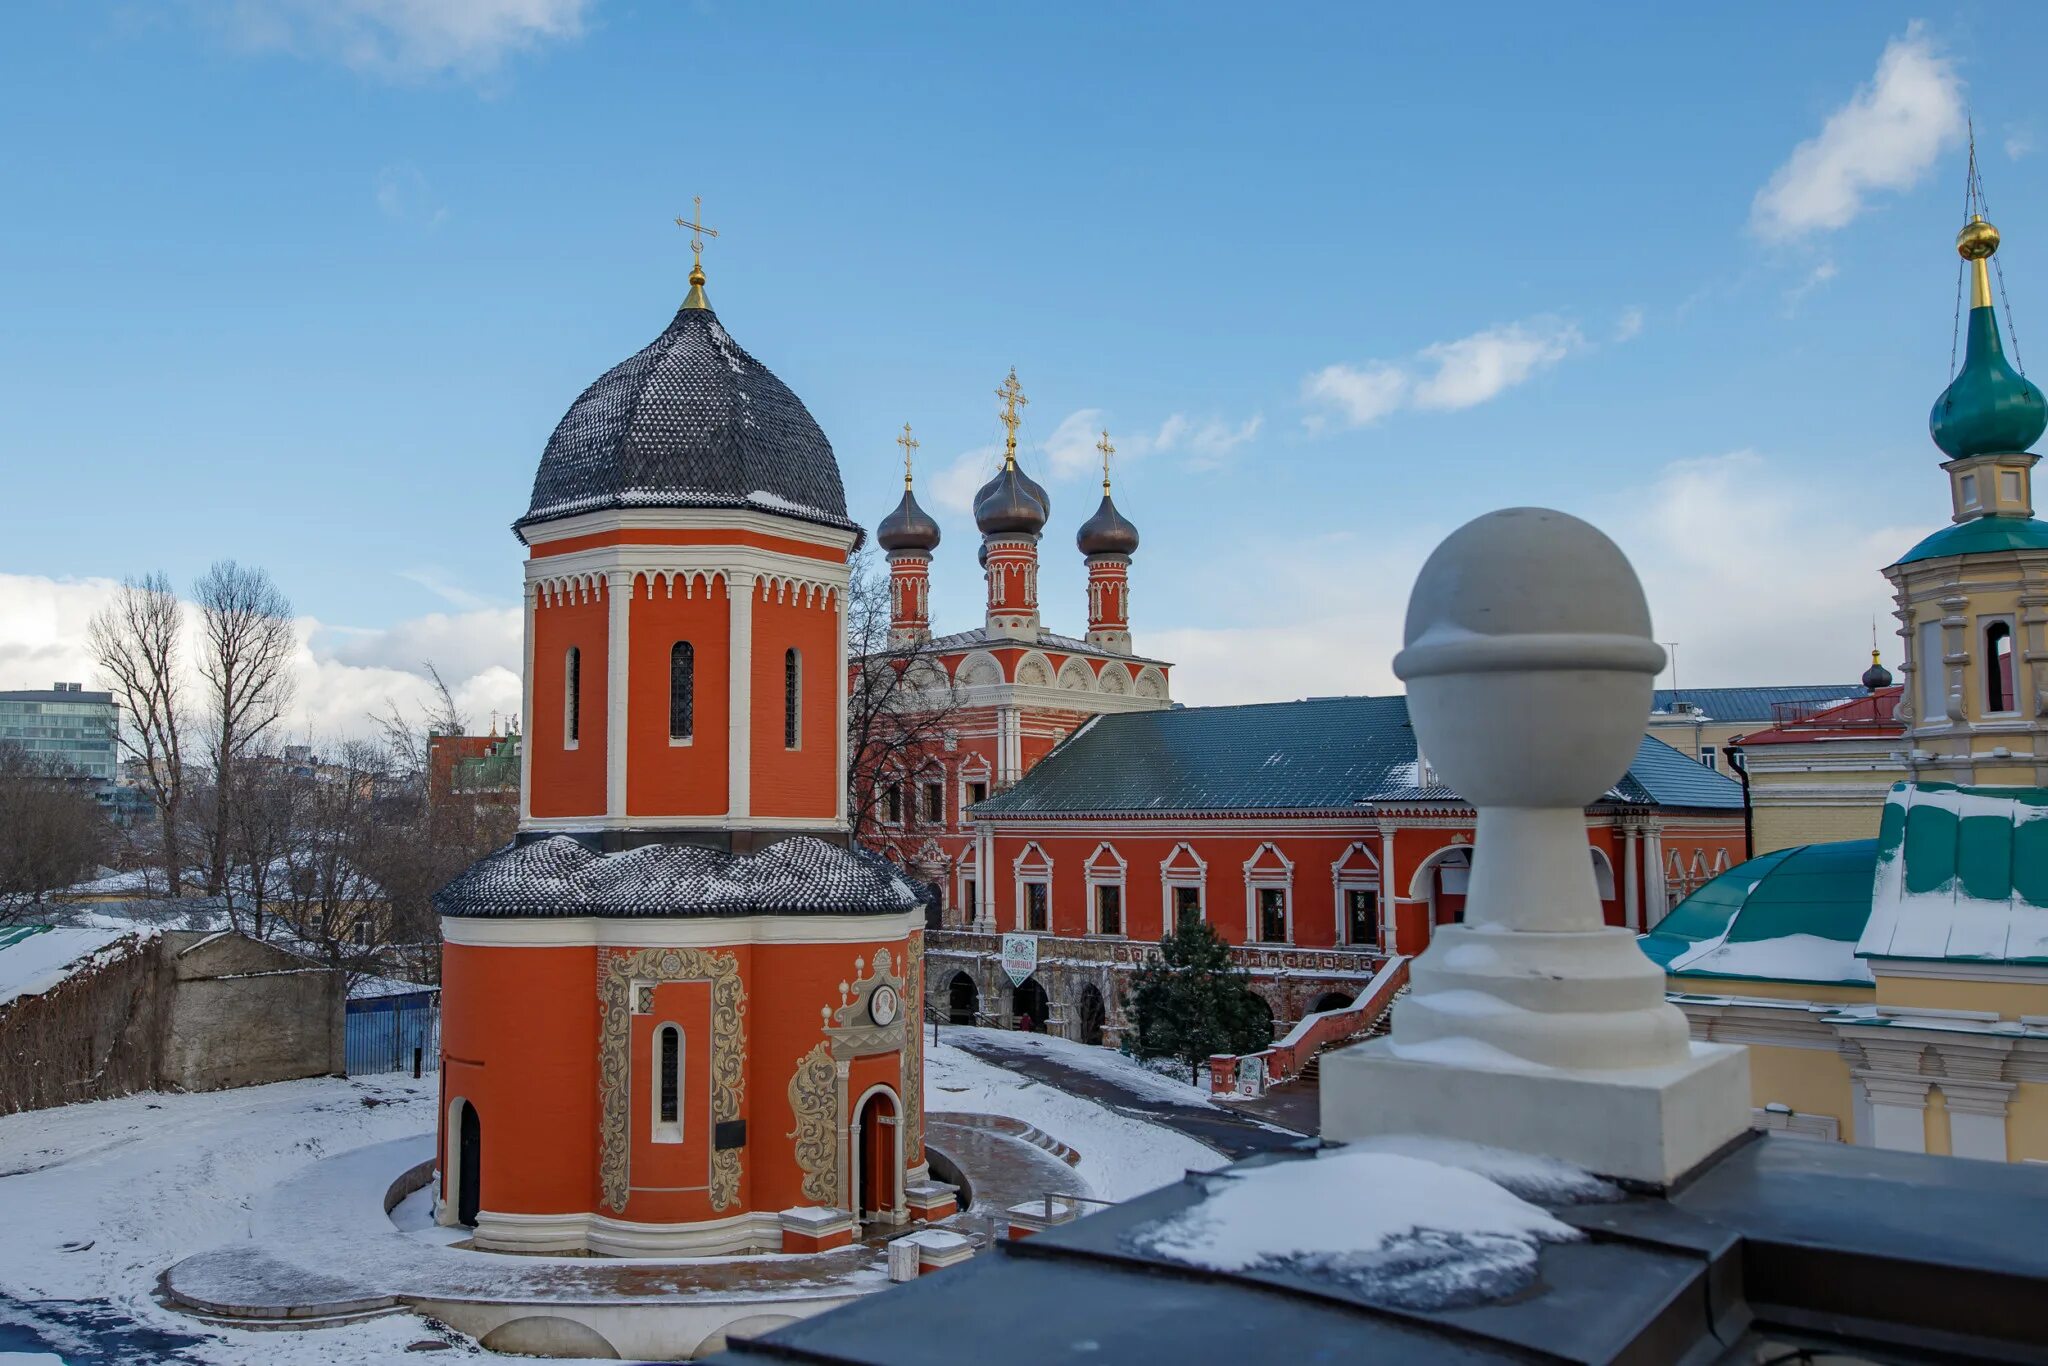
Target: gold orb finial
x,y
1977,240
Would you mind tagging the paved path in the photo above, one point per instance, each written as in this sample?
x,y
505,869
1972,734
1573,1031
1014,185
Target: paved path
x,y
1296,1105
1232,1134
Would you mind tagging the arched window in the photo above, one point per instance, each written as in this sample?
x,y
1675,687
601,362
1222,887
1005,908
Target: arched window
x,y
668,1084
792,698
572,696
682,690
1998,666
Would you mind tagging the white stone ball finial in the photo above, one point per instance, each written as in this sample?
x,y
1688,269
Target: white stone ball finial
x,y
1534,1024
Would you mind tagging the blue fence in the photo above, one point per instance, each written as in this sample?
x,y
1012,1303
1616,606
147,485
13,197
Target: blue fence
x,y
382,1034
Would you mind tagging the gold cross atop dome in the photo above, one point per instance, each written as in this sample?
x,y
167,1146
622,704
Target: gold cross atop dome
x,y
909,444
1012,395
1107,451
695,223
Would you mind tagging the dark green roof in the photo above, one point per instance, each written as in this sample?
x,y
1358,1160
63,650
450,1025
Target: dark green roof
x,y
1792,915
1979,536
1962,875
1324,754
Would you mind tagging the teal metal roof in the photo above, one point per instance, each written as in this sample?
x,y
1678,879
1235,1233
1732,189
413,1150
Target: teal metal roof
x,y
1792,915
1962,874
1334,753
1982,536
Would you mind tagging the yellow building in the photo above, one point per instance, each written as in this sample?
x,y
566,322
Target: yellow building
x,y
1823,774
1893,989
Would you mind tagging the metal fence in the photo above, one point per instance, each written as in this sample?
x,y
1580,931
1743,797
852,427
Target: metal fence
x,y
392,1034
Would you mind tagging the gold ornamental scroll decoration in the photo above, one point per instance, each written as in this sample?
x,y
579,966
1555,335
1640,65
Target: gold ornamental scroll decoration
x,y
615,1060
814,1100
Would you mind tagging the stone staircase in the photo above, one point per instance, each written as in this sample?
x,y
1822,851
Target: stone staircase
x,y
1312,1070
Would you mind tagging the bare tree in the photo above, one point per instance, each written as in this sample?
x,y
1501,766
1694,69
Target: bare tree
x,y
407,741
264,827
323,884
51,831
245,667
901,710
136,640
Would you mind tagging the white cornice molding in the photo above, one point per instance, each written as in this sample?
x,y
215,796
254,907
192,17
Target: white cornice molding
x,y
693,559
1959,970
687,519
582,932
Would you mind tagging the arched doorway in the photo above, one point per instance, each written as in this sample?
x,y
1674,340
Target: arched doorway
x,y
1093,1016
879,1160
963,999
1262,1012
1029,1007
469,1150
1330,1000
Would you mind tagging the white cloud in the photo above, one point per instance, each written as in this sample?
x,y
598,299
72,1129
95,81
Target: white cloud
x,y
401,38
1815,278
344,675
1070,453
1755,585
954,485
2019,143
1070,450
404,196
1629,325
1885,138
1445,377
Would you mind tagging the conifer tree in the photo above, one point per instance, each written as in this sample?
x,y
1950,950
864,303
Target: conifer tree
x,y
1192,1001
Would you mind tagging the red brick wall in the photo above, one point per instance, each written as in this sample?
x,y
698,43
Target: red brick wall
x,y
568,782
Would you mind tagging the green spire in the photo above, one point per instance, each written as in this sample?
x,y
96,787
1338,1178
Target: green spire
x,y
1989,408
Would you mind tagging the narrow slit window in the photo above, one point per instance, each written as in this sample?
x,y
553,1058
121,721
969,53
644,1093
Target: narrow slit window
x,y
572,696
792,698
1998,666
682,690
1109,909
669,1096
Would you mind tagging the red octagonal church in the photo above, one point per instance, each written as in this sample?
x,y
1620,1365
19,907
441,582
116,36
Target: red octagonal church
x,y
679,1010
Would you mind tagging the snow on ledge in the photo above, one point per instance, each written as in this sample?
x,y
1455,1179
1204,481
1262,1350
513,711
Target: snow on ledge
x,y
1411,1223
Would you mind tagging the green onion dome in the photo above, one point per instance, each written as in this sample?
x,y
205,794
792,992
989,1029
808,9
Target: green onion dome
x,y
1989,408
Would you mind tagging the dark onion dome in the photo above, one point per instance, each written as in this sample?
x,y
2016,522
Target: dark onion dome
x,y
1877,675
1006,503
689,421
1036,490
1108,532
1989,408
909,527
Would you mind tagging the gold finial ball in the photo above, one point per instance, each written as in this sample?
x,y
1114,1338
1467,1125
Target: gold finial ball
x,y
1977,240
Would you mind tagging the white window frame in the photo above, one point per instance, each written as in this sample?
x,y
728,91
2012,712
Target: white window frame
x,y
1024,871
1256,880
1112,874
1347,876
1988,662
660,1131
1171,878
925,787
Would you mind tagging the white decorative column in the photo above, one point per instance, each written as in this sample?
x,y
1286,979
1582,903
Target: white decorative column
x,y
1656,891
1632,895
1534,1025
533,598
837,607
739,587
1390,892
618,587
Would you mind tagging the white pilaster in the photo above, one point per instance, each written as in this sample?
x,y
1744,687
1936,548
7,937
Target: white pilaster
x,y
839,689
1898,1113
1631,861
1390,891
740,695
526,706
1976,1118
1656,894
617,646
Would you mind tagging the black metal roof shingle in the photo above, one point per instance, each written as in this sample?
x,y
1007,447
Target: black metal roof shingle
x,y
1752,704
690,420
559,876
1323,754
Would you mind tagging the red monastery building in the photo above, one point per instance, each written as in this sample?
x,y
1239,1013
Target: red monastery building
x,y
1013,689
1070,800
679,1011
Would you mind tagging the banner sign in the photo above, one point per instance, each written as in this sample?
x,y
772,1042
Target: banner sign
x,y
1020,957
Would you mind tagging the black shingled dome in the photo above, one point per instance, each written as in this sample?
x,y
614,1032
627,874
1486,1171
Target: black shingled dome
x,y
909,527
690,420
1108,532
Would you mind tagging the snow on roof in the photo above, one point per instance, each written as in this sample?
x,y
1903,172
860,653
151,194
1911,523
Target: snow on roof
x,y
35,958
133,882
1410,1224
373,988
1962,873
1787,958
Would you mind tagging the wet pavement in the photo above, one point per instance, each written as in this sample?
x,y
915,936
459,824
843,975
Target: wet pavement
x,y
87,1333
1230,1133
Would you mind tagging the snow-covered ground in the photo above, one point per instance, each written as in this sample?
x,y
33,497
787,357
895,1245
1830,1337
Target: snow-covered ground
x,y
1120,1156
96,1200
1160,1079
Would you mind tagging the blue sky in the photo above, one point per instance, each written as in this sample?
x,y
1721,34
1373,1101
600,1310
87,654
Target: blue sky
x,y
309,283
